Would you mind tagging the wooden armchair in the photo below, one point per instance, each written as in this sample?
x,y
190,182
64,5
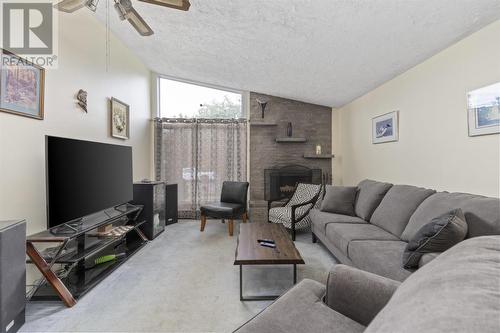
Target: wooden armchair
x,y
294,213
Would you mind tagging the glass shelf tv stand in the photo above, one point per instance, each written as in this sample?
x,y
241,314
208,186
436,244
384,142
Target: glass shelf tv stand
x,y
69,269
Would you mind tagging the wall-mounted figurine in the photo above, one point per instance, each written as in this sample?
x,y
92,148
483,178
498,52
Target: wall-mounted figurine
x,y
81,96
263,104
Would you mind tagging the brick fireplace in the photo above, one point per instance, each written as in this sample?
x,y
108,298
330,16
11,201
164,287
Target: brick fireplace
x,y
280,181
272,148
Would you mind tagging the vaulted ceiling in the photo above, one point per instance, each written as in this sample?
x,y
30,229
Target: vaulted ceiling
x,y
325,52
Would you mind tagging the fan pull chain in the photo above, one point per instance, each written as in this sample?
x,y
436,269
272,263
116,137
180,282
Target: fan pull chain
x,y
108,48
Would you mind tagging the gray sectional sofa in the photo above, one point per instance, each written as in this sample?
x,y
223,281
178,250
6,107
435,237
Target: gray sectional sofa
x,y
459,291
388,216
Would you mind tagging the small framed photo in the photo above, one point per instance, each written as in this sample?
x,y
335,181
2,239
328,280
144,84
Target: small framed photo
x,y
22,86
385,128
120,119
483,108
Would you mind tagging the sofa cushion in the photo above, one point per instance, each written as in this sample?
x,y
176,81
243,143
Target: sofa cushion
x,y
482,213
456,292
321,219
397,206
301,309
370,194
341,234
437,236
379,257
339,200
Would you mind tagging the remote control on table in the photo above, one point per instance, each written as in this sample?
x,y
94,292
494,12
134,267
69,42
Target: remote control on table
x,y
265,241
268,244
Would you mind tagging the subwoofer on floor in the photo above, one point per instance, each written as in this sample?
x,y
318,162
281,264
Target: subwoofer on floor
x,y
12,275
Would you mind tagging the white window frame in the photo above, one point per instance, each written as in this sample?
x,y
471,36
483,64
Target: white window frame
x,y
245,95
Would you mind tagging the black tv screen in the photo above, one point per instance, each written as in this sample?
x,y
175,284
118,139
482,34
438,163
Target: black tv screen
x,y
85,177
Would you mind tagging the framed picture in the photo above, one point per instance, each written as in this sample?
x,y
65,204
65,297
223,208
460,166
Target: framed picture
x,y
483,108
120,118
22,85
385,128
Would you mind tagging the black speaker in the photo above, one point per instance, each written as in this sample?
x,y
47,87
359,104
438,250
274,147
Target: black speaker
x,y
12,275
171,209
151,195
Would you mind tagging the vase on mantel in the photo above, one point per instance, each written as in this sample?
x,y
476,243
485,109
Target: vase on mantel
x,y
289,130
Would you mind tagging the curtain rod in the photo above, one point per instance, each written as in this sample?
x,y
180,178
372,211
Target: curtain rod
x,y
200,120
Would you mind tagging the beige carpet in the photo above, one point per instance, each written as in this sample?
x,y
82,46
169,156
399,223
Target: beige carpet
x,y
183,281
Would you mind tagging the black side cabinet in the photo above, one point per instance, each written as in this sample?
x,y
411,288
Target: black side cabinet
x,y
12,275
151,195
172,204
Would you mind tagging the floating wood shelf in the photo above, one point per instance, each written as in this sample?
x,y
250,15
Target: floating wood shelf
x,y
321,156
261,123
291,140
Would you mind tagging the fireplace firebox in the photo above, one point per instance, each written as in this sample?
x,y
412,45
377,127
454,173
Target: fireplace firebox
x,y
279,182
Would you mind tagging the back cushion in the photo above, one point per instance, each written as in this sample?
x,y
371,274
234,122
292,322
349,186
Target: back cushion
x,y
456,292
481,213
303,193
370,194
234,192
398,205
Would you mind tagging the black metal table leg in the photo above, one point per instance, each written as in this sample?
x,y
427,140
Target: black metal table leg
x,y
241,283
263,297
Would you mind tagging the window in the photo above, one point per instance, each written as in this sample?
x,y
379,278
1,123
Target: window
x,y
185,100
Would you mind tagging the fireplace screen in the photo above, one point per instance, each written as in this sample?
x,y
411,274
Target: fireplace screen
x,y
279,182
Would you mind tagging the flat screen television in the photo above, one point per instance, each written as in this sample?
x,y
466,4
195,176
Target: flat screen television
x,y
85,177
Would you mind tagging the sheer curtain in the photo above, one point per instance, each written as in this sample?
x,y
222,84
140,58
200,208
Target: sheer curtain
x,y
198,155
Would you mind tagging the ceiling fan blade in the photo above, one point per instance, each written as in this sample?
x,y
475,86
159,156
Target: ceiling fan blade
x,y
69,6
177,4
138,22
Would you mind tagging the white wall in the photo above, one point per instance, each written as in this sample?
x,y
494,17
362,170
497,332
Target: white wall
x,y
434,149
81,65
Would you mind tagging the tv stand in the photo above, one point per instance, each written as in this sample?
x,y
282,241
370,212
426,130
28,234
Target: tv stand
x,y
76,249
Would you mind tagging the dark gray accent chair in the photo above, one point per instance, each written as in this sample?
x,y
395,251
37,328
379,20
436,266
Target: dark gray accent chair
x,y
232,205
456,292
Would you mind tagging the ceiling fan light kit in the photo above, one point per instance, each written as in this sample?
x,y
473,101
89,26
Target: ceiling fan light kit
x,y
92,5
124,9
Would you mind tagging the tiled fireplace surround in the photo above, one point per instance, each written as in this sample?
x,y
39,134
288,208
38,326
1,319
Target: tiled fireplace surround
x,y
309,121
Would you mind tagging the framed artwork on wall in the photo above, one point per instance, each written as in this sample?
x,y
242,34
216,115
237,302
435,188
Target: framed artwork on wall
x,y
483,108
22,85
120,119
385,128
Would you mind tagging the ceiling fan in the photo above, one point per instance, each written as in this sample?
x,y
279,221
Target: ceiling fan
x,y
124,9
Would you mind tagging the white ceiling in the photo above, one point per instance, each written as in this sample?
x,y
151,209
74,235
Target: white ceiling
x,y
326,52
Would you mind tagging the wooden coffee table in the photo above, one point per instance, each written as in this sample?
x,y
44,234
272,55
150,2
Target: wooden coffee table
x,y
250,252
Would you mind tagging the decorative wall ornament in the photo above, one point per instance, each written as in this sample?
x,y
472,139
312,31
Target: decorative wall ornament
x,y
81,96
483,108
289,130
22,85
263,104
385,128
318,149
120,119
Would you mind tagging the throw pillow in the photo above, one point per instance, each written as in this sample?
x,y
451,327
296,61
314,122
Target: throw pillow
x,y
339,200
437,236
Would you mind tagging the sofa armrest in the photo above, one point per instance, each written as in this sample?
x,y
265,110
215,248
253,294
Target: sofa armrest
x,y
357,294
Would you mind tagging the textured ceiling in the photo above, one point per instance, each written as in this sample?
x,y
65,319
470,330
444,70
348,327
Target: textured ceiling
x,y
326,52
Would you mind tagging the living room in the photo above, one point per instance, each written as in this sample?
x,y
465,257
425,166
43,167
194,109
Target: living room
x,y
250,166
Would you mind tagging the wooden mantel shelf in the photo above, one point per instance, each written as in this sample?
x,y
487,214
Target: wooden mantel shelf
x,y
262,123
320,156
291,140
